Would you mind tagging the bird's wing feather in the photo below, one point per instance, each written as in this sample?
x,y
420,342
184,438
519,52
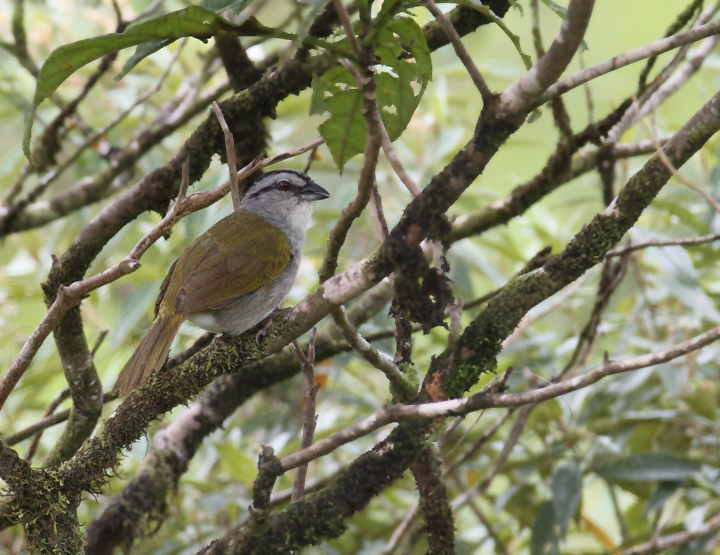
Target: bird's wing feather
x,y
207,275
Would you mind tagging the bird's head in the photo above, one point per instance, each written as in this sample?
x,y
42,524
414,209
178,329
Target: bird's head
x,y
283,195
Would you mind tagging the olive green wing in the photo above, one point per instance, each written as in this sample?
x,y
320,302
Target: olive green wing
x,y
236,256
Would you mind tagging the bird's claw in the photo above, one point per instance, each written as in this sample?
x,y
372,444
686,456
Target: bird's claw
x,y
264,330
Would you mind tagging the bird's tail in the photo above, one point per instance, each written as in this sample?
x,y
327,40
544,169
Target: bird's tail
x,y
150,355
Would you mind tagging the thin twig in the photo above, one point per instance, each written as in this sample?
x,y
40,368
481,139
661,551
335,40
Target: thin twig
x,y
666,161
347,25
690,241
352,211
65,394
307,362
395,163
478,443
499,463
665,543
402,529
53,175
447,27
368,352
632,56
230,154
49,421
100,338
311,158
484,400
484,520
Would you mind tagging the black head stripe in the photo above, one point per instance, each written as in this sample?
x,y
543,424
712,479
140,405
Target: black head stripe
x,y
258,186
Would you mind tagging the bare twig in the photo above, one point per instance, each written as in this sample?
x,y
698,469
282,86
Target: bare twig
x,y
674,540
484,520
401,530
311,390
500,461
368,352
230,153
385,140
690,241
479,442
352,211
462,53
395,163
632,56
48,421
377,215
65,394
311,158
485,400
666,162
347,25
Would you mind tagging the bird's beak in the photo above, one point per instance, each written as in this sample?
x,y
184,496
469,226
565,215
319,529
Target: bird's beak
x,y
312,191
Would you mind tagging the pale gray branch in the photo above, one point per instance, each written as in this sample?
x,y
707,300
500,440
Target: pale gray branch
x,y
484,400
632,56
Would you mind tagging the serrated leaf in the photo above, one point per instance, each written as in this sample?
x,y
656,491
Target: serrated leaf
x,y
396,91
567,490
344,132
338,93
650,467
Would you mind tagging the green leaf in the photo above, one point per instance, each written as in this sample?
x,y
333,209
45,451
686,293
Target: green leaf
x,y
400,84
650,467
344,131
194,21
567,490
662,492
237,464
308,19
562,12
397,91
487,12
149,48
142,52
542,529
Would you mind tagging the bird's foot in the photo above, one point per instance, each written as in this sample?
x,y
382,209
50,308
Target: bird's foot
x,y
221,339
264,330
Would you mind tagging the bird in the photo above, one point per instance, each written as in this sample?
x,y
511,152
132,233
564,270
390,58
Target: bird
x,y
235,274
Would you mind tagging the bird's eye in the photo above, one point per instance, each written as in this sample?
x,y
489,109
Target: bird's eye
x,y
285,185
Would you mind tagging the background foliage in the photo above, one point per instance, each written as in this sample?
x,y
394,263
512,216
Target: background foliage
x,y
597,470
